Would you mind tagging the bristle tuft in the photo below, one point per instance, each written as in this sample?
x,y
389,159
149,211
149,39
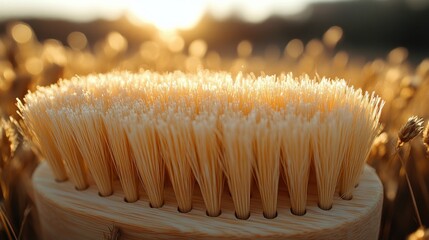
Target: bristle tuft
x,y
120,151
206,167
63,135
36,120
177,147
267,165
296,160
143,138
91,140
237,161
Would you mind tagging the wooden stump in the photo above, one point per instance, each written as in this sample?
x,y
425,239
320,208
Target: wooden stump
x,y
66,213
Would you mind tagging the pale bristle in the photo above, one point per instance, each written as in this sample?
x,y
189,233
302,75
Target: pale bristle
x,y
144,142
206,167
267,164
177,147
120,151
296,160
63,134
364,130
35,117
329,143
237,161
91,140
207,126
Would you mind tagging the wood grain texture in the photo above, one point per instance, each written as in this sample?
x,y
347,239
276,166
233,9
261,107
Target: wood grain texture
x,y
66,213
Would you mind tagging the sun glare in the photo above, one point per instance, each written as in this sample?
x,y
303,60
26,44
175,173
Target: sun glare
x,y
168,15
171,15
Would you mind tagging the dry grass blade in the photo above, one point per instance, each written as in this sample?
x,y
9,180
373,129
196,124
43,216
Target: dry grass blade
x,y
10,232
8,137
426,137
412,128
27,212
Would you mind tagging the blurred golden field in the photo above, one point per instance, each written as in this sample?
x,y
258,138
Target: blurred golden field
x,y
26,62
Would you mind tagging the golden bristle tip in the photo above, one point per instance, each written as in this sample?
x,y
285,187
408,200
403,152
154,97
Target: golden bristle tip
x,y
205,133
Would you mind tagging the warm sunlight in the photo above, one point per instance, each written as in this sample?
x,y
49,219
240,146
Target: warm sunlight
x,y
168,15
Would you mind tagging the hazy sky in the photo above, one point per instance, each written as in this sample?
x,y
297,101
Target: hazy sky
x,y
163,13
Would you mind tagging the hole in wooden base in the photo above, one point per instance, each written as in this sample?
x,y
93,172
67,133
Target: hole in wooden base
x,y
162,205
267,217
61,180
326,209
125,200
181,211
99,194
219,213
245,218
81,189
298,214
348,198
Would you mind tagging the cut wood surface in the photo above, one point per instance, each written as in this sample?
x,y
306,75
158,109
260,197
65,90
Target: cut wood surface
x,y
66,213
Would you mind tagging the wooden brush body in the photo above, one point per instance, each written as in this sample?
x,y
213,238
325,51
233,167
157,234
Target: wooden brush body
x,y
66,213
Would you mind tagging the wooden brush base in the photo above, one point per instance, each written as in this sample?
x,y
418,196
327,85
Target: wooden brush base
x,y
66,213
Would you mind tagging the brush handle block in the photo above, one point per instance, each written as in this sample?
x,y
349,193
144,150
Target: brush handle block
x,y
70,214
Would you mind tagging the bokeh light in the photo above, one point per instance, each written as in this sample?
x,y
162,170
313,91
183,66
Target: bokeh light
x,y
244,49
21,33
77,40
294,48
332,36
116,41
198,48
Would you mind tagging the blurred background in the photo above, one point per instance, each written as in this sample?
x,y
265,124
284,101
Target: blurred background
x,y
378,45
